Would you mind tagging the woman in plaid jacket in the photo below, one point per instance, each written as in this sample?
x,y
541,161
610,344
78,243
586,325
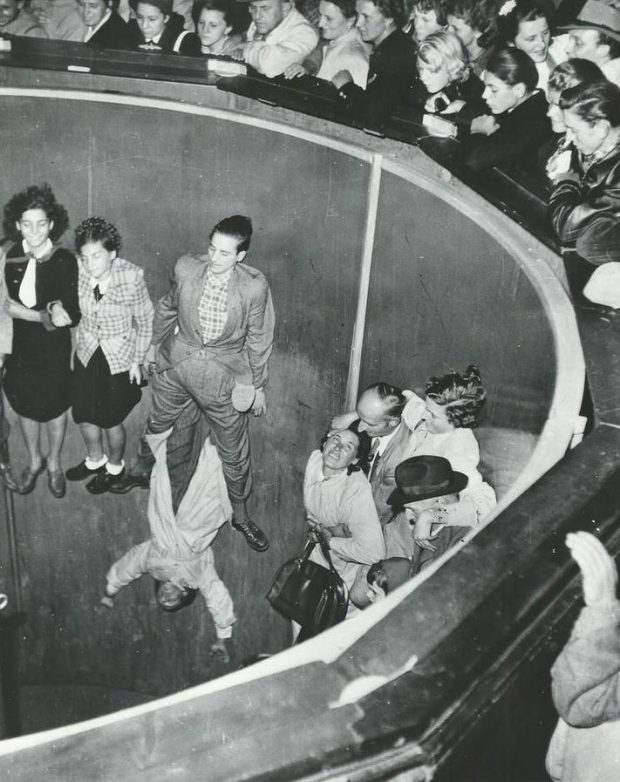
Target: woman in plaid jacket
x,y
111,343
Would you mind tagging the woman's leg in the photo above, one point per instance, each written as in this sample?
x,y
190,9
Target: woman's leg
x,y
116,441
56,429
31,431
93,441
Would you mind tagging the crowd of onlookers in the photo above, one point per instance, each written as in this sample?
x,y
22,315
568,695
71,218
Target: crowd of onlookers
x,y
519,83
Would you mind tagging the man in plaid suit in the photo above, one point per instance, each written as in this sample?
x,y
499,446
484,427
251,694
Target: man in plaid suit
x,y
214,327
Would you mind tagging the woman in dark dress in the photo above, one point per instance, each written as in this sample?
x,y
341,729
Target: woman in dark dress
x,y
105,29
157,28
41,280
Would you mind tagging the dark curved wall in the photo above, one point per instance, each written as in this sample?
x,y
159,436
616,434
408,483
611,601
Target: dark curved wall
x,y
442,293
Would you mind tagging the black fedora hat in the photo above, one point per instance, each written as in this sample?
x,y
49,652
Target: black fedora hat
x,y
424,477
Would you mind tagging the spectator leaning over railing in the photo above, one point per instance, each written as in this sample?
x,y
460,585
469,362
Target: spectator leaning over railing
x,y
278,37
104,27
585,204
586,676
157,28
555,157
392,68
518,123
16,20
341,47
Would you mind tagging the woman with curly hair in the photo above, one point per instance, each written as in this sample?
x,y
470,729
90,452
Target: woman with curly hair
x,y
112,339
453,404
41,281
451,88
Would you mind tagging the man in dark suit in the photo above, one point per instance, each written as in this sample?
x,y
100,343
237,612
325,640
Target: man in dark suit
x,y
213,329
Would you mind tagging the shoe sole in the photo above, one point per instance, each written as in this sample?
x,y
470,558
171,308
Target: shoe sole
x,y
126,489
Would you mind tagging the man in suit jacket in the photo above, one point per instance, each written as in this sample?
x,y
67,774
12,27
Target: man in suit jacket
x,y
212,329
379,412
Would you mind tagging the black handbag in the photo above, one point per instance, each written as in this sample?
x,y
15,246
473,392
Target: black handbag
x,y
308,593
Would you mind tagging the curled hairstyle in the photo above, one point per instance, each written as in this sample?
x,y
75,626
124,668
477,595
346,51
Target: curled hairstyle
x,y
574,72
226,7
35,197
594,101
238,226
445,48
438,6
462,396
376,575
392,9
363,449
513,66
187,598
96,229
392,396
524,11
347,7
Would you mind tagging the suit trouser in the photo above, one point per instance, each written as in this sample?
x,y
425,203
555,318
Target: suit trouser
x,y
207,384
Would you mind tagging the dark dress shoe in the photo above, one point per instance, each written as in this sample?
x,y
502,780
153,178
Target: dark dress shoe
x,y
28,478
7,477
254,535
80,472
121,484
102,482
57,483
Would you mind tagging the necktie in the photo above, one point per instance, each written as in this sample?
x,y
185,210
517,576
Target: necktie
x,y
374,457
97,293
28,287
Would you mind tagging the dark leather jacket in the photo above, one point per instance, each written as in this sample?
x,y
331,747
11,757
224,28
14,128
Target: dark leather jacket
x,y
586,214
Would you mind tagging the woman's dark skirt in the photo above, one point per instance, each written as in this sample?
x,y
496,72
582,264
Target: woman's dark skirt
x,y
99,397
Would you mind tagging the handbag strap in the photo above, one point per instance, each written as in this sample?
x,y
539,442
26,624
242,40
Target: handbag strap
x,y
325,552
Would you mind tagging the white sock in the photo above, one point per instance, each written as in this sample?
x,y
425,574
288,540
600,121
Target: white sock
x,y
115,469
95,464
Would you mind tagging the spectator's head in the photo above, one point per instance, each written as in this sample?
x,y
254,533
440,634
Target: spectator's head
x,y
442,60
229,242
36,216
97,243
594,32
424,482
214,20
377,20
151,17
454,401
568,74
267,14
379,409
171,597
510,77
343,450
429,16
592,116
337,18
9,11
469,19
525,24
387,575
92,11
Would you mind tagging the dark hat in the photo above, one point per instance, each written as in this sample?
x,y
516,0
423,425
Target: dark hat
x,y
424,477
601,15
165,6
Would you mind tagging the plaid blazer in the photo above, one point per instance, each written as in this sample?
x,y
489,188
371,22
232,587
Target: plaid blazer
x,y
121,322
